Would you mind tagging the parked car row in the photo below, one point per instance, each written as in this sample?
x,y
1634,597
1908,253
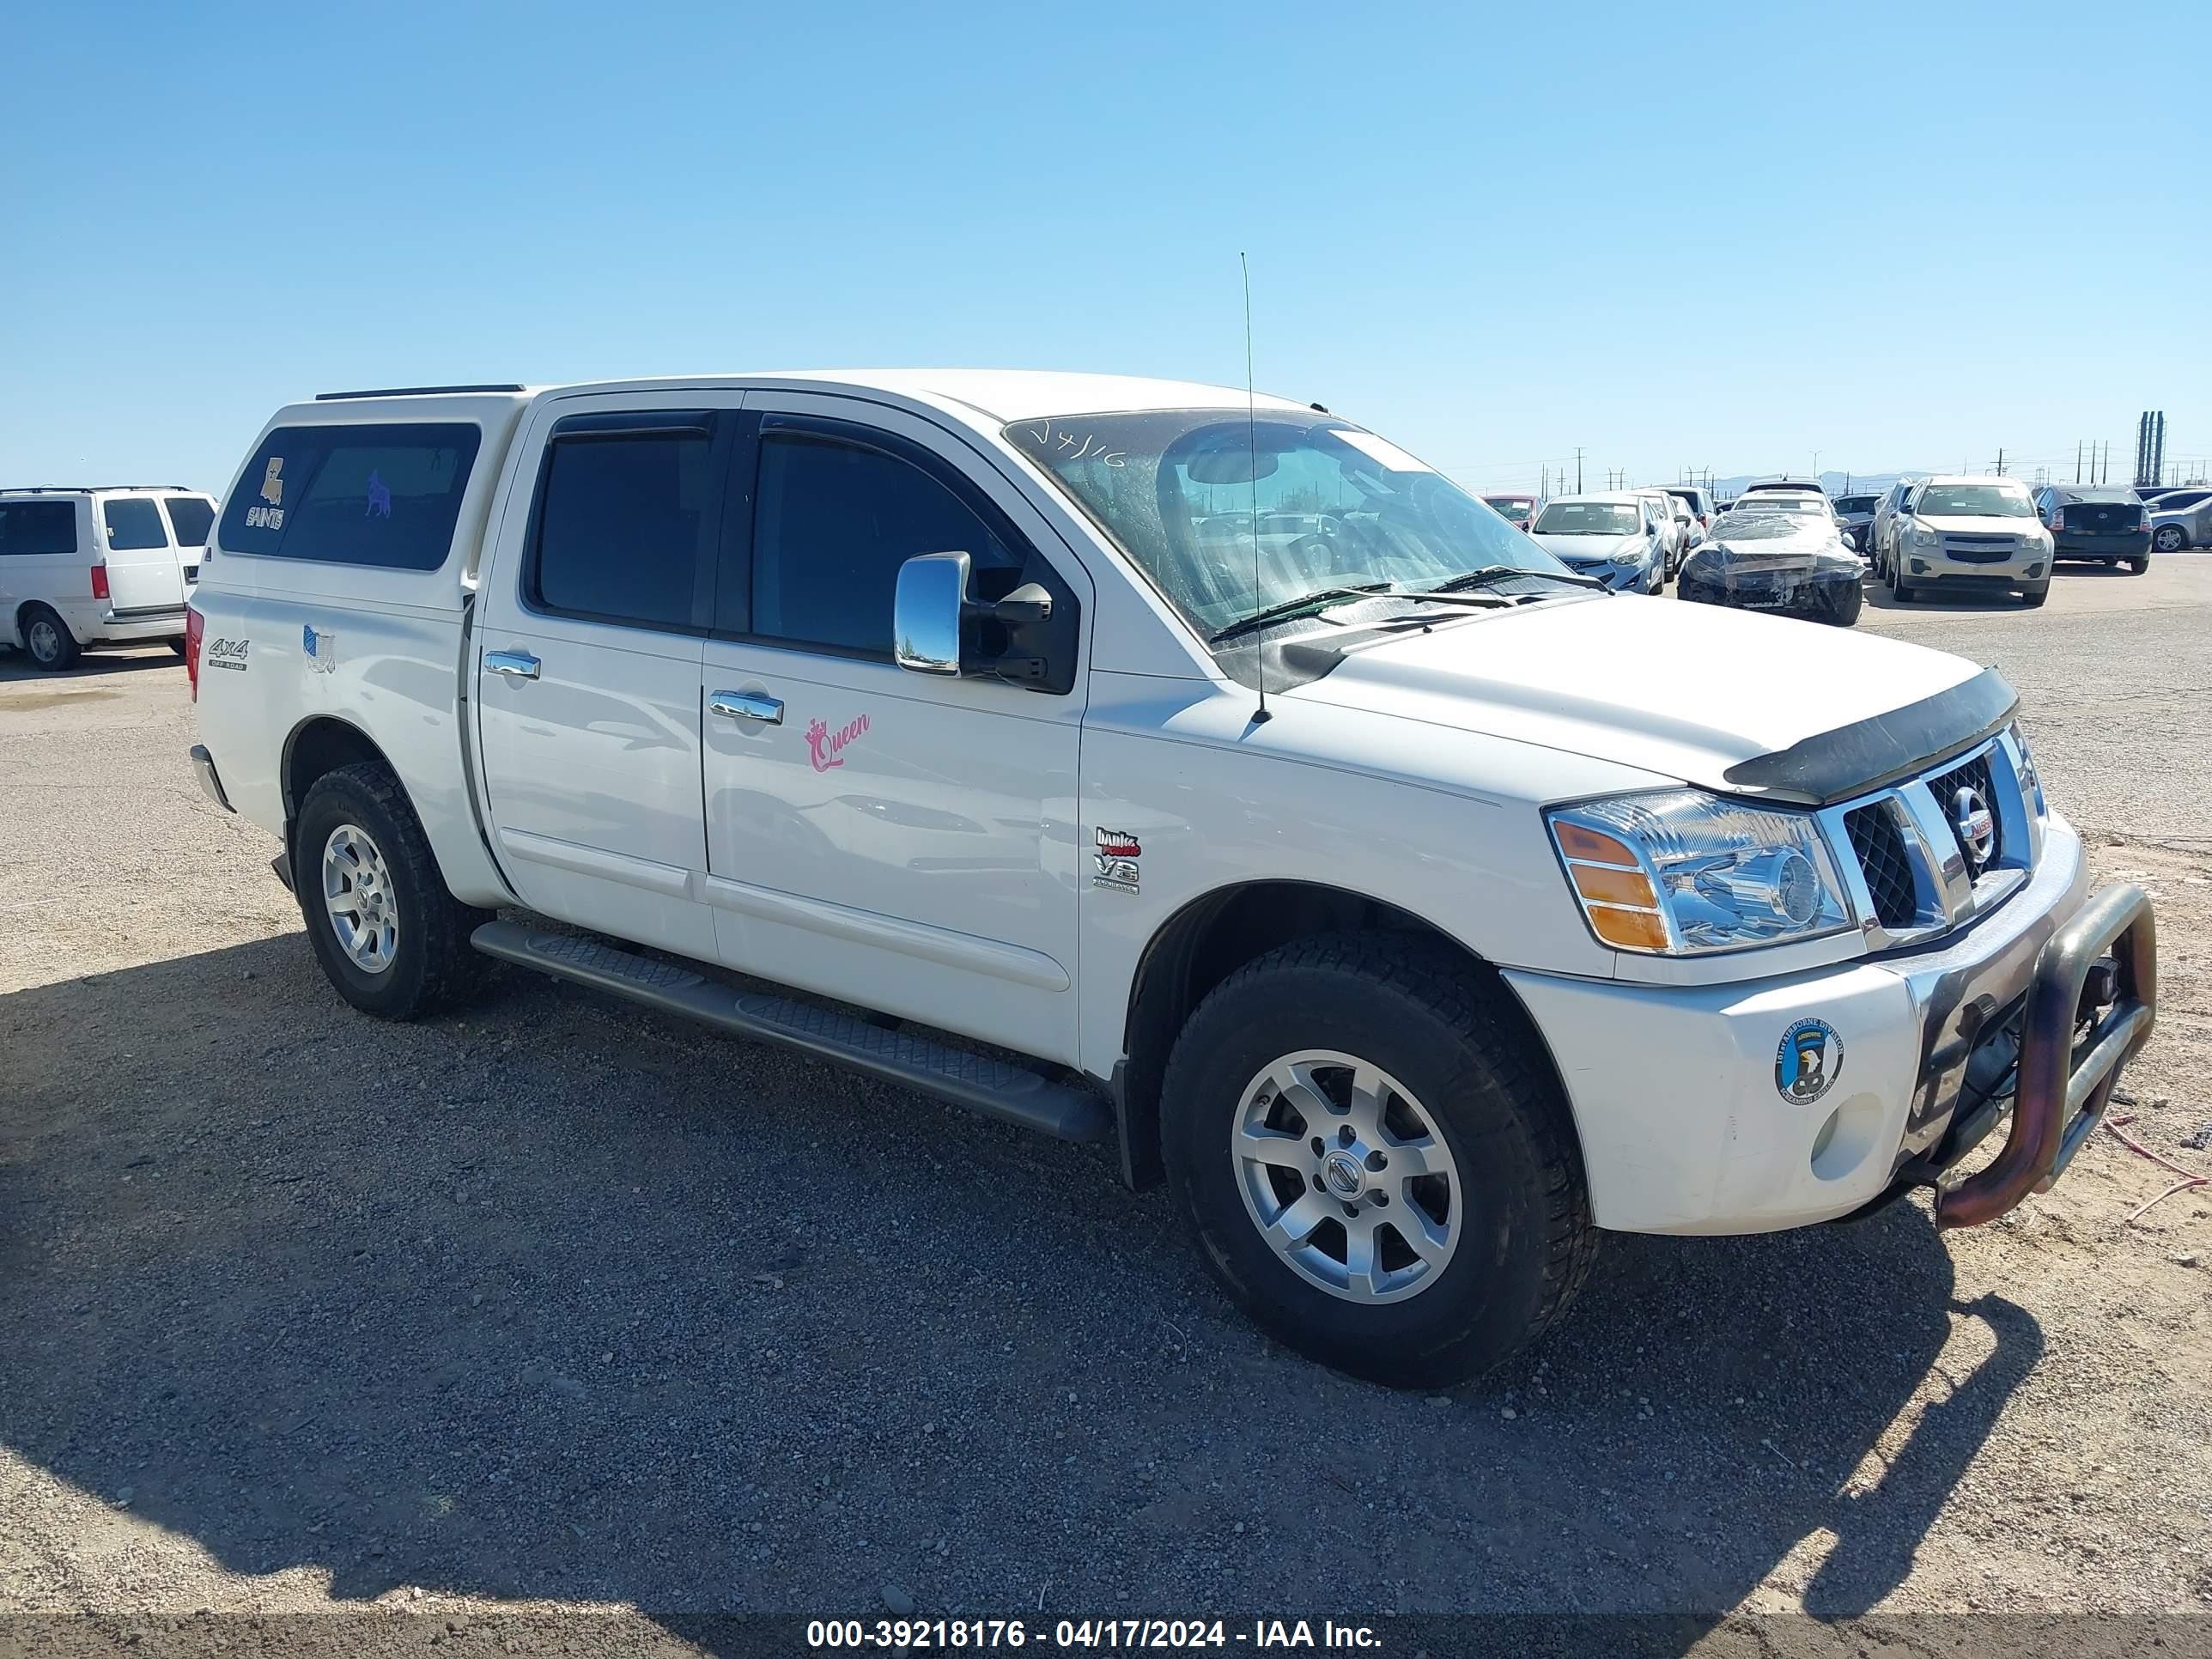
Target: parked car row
x,y
98,565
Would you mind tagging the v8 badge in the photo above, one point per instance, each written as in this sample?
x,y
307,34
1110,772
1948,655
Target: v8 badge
x,y
1115,861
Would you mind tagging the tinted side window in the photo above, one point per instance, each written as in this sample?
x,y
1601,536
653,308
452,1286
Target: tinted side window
x,y
190,517
133,524
385,496
38,527
625,532
834,522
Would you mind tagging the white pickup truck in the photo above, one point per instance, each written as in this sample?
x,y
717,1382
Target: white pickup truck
x,y
1127,758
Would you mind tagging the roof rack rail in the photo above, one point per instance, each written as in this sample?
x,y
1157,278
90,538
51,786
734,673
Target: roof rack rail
x,y
87,490
408,392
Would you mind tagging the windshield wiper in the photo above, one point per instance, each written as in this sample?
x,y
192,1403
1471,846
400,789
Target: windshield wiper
x,y
1320,595
1494,572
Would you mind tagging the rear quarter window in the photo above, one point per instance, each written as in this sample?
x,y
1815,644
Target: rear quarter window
x,y
27,527
133,524
385,496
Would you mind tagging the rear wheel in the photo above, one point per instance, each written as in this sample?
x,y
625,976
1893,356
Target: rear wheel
x,y
2137,565
47,640
390,937
1375,1165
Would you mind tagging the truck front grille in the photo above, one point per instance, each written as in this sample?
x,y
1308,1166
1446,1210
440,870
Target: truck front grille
x,y
1911,872
1885,862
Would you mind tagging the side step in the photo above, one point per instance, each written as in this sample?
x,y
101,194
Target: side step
x,y
997,1088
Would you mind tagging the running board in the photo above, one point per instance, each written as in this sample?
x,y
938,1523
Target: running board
x,y
997,1088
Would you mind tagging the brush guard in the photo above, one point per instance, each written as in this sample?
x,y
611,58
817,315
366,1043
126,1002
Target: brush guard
x,y
2066,1074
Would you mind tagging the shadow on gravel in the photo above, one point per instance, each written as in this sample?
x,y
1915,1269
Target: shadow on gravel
x,y
559,1300
95,664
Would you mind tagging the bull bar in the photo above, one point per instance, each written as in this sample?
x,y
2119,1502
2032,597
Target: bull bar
x,y
2064,1084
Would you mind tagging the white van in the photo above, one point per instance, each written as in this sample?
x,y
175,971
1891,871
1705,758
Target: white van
x,y
98,566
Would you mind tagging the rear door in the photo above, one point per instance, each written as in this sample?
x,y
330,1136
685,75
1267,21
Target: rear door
x,y
190,518
144,576
588,663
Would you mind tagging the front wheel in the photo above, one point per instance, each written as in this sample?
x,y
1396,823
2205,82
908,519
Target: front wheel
x,y
2170,538
2032,597
1375,1165
390,937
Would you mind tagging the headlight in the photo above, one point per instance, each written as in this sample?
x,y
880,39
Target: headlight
x,y
1922,535
1681,873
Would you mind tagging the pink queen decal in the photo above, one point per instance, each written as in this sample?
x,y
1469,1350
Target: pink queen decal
x,y
825,746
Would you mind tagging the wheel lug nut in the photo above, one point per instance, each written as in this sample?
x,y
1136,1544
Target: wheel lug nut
x,y
1352,1212
1344,1137
1377,1162
1320,1145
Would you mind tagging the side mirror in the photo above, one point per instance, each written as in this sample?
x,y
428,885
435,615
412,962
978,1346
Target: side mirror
x,y
932,615
926,609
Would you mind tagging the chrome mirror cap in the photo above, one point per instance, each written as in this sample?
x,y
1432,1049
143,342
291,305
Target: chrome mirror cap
x,y
932,589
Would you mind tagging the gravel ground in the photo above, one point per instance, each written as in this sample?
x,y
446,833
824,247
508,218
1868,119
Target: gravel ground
x,y
560,1305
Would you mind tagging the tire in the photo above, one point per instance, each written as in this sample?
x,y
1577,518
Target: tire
x,y
1515,1213
2170,538
1900,590
2138,565
47,641
1848,604
426,961
2032,597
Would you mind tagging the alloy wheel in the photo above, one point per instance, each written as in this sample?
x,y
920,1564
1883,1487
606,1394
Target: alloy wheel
x,y
357,892
1347,1176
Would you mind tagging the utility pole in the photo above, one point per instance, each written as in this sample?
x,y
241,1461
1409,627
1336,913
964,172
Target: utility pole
x,y
2077,460
1578,469
2000,460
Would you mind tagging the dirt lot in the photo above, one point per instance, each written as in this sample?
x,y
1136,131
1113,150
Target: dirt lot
x,y
559,1303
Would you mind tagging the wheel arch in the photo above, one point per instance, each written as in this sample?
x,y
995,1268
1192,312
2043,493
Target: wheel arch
x,y
1213,935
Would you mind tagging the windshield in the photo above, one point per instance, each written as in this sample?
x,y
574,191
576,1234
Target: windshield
x,y
1782,504
1513,507
1180,491
1588,519
1974,501
1856,503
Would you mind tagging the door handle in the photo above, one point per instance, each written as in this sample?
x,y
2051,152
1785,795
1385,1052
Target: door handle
x,y
516,665
747,706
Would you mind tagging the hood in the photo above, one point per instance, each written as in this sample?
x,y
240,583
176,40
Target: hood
x,y
1689,691
1590,549
1975,524
1772,544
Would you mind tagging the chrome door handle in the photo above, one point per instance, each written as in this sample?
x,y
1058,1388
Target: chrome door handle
x,y
747,706
516,665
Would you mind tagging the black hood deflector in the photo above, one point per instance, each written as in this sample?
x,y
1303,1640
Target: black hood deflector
x,y
1863,756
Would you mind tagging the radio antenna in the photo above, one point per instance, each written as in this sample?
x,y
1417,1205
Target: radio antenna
x,y
1252,449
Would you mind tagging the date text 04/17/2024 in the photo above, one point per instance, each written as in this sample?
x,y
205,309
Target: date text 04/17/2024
x,y
1169,1634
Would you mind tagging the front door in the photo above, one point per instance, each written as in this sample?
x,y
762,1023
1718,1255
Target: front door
x,y
588,654
900,841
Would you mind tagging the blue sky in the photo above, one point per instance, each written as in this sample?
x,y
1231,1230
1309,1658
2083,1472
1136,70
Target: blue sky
x,y
1713,235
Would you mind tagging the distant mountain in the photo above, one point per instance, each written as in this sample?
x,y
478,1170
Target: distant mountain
x,y
1834,483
